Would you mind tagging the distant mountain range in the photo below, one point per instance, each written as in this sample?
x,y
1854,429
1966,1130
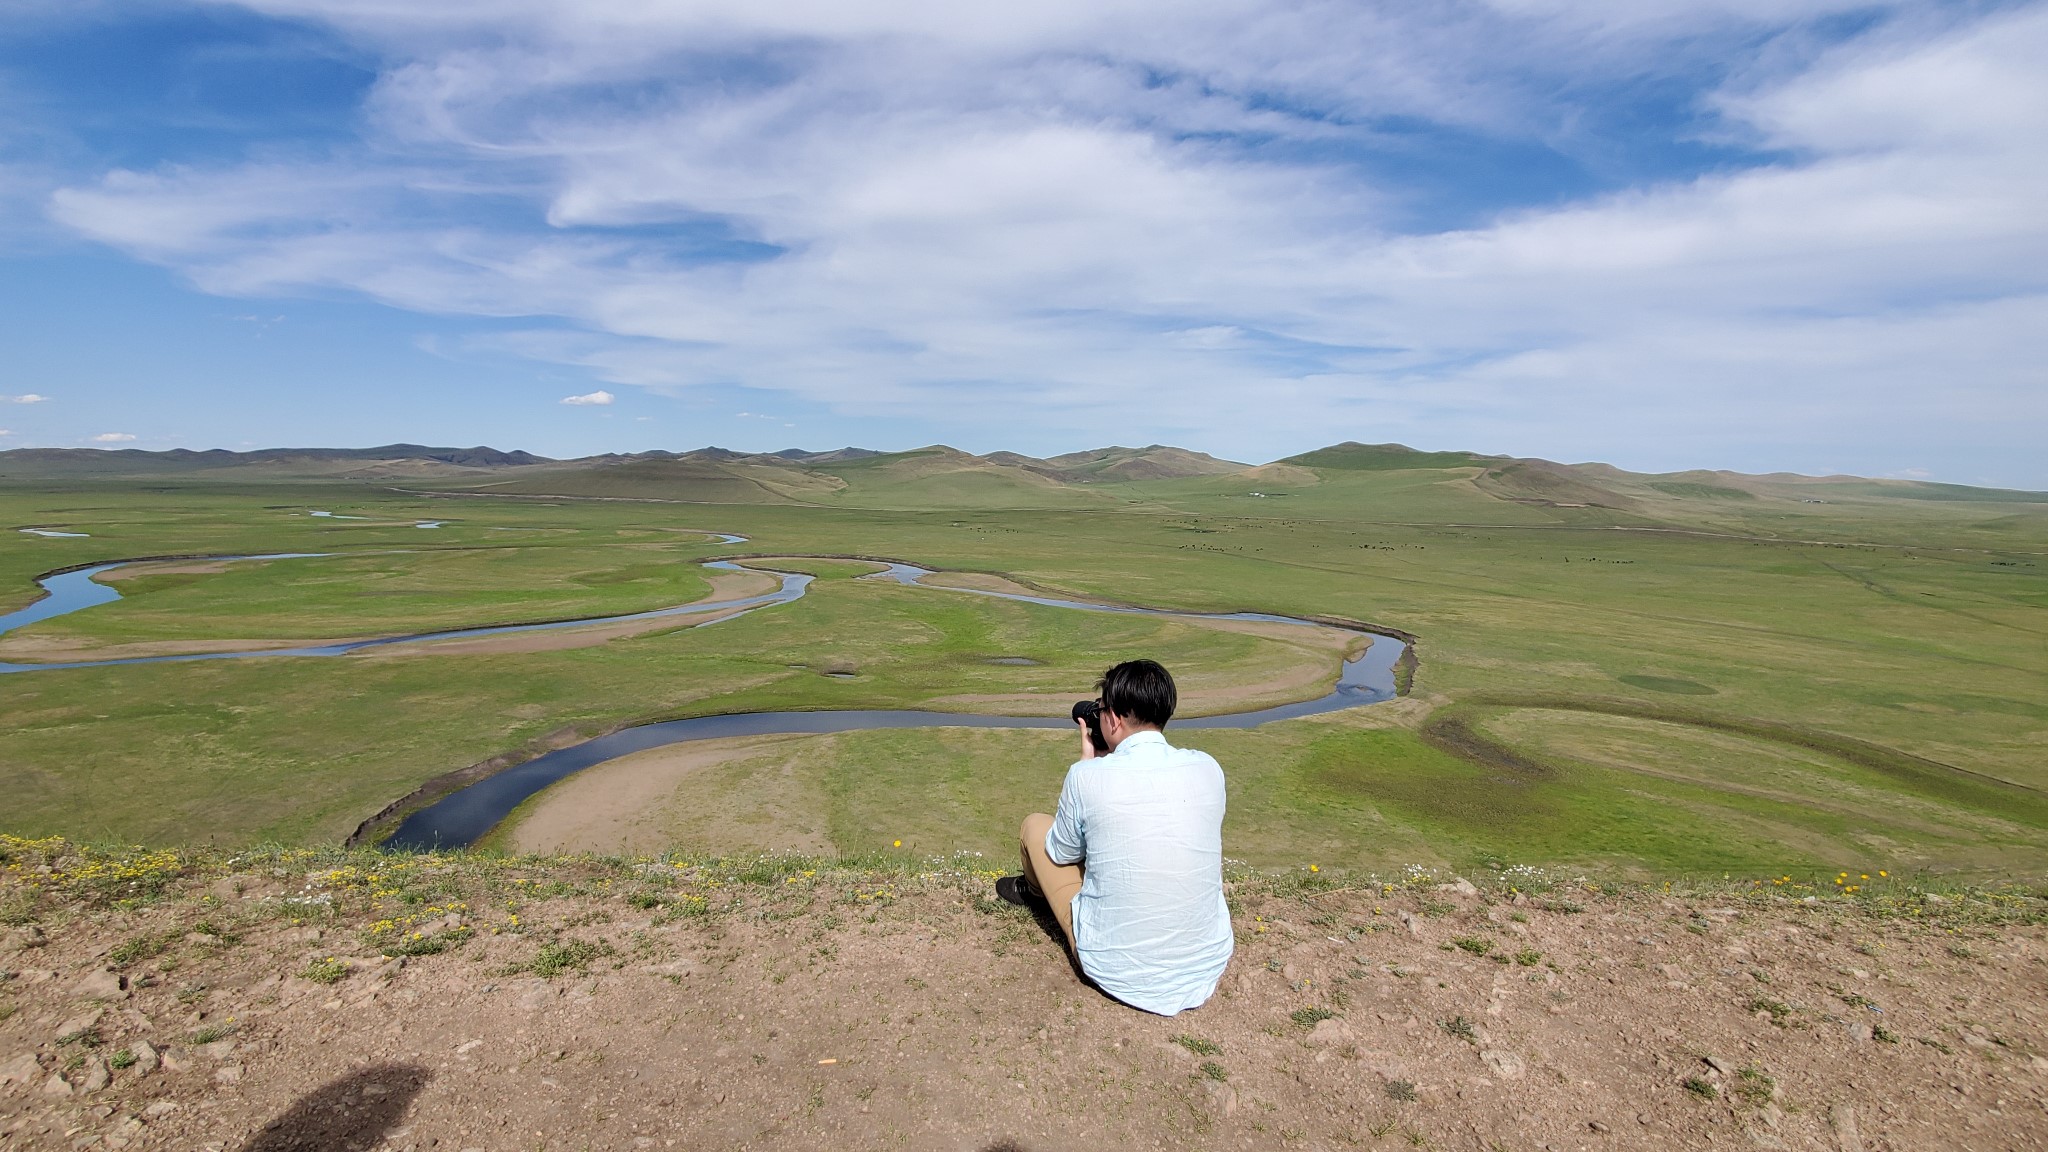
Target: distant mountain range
x,y
944,476
87,461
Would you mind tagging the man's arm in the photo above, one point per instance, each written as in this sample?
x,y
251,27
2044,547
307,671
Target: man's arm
x,y
1067,842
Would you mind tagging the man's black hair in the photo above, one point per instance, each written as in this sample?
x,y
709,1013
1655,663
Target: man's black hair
x,y
1140,691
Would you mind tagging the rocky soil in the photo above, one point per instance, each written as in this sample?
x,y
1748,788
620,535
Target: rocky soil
x,y
352,1001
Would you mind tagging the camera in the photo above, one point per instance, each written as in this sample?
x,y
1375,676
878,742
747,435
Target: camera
x,y
1090,713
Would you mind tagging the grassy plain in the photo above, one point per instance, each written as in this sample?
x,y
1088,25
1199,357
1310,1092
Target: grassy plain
x,y
1886,616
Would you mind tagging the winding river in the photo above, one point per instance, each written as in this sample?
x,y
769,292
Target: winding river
x,y
464,816
73,591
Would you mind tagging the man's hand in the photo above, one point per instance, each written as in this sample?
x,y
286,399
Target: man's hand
x,y
1087,744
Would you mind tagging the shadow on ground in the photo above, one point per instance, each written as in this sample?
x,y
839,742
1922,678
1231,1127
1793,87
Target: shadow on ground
x,y
347,1115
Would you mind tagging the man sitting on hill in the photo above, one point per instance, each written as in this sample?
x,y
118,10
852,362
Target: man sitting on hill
x,y
1132,862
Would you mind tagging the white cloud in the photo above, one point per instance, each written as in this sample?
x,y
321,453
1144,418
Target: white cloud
x,y
24,398
599,397
112,438
1037,213
6,431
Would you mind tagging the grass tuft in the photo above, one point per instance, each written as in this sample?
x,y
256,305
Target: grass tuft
x,y
1197,1045
561,956
328,971
1310,1017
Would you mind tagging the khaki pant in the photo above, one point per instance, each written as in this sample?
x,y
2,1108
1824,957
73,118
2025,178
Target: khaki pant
x,y
1058,883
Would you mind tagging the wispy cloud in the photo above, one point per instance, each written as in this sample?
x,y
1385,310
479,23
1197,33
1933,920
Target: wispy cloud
x,y
113,438
1231,219
599,397
24,398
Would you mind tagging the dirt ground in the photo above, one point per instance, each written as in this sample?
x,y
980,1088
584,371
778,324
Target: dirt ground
x,y
591,1005
628,805
61,650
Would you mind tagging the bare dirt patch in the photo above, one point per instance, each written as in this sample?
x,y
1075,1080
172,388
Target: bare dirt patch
x,y
53,650
809,1006
983,582
630,805
162,568
724,586
551,640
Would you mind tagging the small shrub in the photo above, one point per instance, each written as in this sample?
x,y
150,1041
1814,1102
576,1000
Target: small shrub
x,y
420,944
1884,1035
141,948
1778,1009
1701,1087
1756,1086
561,956
122,1059
84,1037
1528,957
221,937
328,971
1197,1045
1310,1017
1402,1090
211,1033
17,908
1462,1028
699,906
1214,1071
1476,945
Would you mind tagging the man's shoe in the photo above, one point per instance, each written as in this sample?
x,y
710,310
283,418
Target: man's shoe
x,y
1013,890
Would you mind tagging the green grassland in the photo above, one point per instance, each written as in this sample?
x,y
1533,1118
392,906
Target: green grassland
x,y
1362,792
1665,678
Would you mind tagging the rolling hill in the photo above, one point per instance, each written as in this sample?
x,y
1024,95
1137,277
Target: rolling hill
x,y
938,476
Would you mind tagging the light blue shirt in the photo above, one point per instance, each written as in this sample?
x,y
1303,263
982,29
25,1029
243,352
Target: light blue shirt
x,y
1150,923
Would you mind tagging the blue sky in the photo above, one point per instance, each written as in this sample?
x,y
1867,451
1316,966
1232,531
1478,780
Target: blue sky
x,y
1800,235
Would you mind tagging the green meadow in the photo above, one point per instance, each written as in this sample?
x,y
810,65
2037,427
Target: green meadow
x,y
1622,674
